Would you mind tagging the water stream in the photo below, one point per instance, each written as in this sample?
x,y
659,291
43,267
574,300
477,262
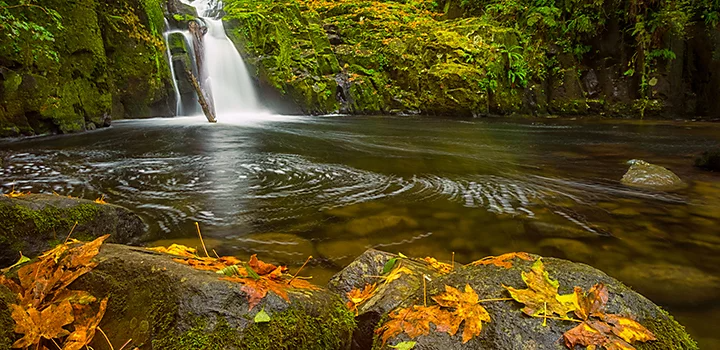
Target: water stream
x,y
331,187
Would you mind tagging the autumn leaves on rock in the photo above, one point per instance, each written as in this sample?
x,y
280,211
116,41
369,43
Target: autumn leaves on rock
x,y
454,309
45,311
257,277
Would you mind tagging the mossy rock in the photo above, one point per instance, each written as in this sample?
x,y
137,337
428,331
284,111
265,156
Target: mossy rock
x,y
650,176
162,304
509,327
35,222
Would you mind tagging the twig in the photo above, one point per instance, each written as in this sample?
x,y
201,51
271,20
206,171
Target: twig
x,y
71,231
201,239
106,338
126,343
424,292
495,299
56,344
216,254
453,260
558,318
300,269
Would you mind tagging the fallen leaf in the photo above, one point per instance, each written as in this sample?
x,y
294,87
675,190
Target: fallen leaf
x,y
441,267
413,321
397,273
262,317
600,329
85,326
177,249
34,324
467,309
502,260
389,265
357,296
541,298
23,259
406,345
259,266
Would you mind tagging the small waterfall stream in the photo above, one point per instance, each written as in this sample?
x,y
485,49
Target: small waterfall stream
x,y
224,73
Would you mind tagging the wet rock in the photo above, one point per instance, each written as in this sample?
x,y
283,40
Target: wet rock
x,y
509,328
33,223
709,160
645,175
672,284
154,300
375,223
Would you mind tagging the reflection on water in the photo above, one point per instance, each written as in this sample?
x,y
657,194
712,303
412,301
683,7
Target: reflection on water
x,y
290,187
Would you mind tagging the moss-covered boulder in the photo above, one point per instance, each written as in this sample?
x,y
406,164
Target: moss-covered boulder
x,y
509,328
645,175
161,304
34,223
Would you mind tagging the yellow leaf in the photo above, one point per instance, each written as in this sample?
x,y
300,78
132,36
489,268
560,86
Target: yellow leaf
x,y
541,298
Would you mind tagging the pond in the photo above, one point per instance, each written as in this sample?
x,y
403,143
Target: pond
x,y
331,187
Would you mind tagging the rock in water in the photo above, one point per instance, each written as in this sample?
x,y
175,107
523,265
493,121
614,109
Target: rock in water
x,y
645,175
33,223
509,328
709,160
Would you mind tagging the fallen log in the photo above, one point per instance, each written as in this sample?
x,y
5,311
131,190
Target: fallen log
x,y
208,110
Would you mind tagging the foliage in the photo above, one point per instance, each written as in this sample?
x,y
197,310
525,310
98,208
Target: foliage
x,y
502,260
357,296
28,29
44,309
415,321
438,266
541,298
257,277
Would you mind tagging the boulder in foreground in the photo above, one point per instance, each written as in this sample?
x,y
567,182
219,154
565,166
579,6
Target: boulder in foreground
x,y
650,176
509,327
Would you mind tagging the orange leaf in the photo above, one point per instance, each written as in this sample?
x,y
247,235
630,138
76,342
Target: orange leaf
x,y
502,260
85,328
36,325
467,309
357,296
414,321
259,266
176,249
441,267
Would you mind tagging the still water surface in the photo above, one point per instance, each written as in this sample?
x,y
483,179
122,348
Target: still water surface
x,y
331,187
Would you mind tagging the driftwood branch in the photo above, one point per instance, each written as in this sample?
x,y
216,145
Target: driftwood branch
x,y
206,107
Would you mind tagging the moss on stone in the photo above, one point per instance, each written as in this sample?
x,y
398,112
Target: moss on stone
x,y
672,334
7,336
18,220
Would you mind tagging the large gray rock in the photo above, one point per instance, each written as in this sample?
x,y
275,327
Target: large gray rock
x,y
509,328
161,304
33,223
645,175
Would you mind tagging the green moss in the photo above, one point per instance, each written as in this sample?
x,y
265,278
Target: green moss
x,y
290,329
670,335
18,220
7,336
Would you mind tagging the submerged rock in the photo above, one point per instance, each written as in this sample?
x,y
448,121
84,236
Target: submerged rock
x,y
509,328
154,300
33,223
672,284
645,175
709,160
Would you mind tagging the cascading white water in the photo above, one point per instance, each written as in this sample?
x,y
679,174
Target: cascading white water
x,y
231,88
178,101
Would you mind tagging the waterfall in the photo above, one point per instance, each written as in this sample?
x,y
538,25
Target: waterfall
x,y
178,99
224,72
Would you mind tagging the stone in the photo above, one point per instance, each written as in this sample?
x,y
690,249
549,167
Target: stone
x,y
509,328
709,160
671,284
571,249
155,300
649,176
367,225
34,223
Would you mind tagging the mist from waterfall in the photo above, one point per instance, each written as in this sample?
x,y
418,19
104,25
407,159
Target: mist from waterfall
x,y
231,88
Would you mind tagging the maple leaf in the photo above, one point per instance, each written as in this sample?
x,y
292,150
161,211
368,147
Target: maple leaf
x,y
600,329
85,327
413,321
357,296
259,266
541,298
502,260
35,325
467,309
177,249
397,273
441,267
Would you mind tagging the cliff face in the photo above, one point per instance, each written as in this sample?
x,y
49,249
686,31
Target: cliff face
x,y
474,57
92,61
